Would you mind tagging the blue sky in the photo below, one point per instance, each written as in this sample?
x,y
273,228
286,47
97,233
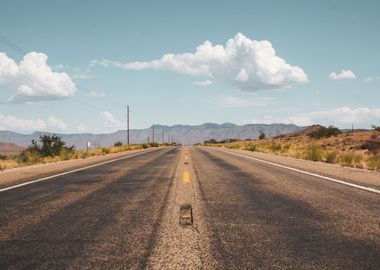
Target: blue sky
x,y
80,63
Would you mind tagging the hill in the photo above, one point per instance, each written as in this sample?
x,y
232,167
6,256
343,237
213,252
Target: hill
x,y
360,149
185,134
7,149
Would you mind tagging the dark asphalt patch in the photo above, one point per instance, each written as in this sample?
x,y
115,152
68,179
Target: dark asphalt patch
x,y
186,215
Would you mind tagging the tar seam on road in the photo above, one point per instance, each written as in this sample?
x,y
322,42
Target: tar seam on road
x,y
307,173
76,170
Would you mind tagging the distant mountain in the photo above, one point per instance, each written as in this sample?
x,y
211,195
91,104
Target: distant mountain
x,y
185,134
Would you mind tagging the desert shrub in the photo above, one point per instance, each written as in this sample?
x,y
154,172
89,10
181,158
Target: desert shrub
x,y
331,157
105,150
262,136
233,146
377,128
251,147
118,143
29,157
285,148
2,166
313,152
230,140
145,146
372,146
210,141
373,162
153,144
347,159
275,147
66,154
325,132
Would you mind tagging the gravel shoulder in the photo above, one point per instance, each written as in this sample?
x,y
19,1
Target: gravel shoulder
x,y
21,175
357,176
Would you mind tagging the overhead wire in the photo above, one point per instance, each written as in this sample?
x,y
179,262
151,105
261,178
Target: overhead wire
x,y
23,52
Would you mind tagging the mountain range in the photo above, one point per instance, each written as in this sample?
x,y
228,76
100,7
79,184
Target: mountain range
x,y
185,134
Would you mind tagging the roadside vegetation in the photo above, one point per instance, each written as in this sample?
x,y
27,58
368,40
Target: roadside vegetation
x,y
48,149
358,149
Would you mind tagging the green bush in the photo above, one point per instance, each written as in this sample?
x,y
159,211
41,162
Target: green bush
x,y
325,132
210,141
262,136
377,128
313,152
145,146
118,143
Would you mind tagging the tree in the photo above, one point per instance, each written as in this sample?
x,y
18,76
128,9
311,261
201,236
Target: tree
x,y
377,128
49,146
118,143
262,136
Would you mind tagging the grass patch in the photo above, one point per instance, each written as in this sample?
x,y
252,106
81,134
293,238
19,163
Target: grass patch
x,y
331,157
314,152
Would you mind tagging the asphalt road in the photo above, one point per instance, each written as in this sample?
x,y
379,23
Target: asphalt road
x,y
246,215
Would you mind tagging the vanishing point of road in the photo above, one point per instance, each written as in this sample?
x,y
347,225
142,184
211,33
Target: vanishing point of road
x,y
188,208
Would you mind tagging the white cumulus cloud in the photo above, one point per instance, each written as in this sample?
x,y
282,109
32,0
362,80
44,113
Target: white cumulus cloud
x,y
342,117
56,123
203,83
245,64
343,75
33,79
8,122
110,121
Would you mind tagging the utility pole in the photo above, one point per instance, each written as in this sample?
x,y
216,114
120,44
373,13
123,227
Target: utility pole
x,y
163,136
127,124
153,133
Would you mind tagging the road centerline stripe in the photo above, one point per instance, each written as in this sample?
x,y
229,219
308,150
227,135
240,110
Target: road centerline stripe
x,y
306,172
186,177
75,170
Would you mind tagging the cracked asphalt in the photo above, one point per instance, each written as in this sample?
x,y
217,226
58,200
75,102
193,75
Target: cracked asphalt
x,y
246,215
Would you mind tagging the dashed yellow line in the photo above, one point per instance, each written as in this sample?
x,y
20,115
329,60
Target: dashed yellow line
x,y
186,177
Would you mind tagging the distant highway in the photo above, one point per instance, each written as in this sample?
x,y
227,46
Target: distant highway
x,y
188,208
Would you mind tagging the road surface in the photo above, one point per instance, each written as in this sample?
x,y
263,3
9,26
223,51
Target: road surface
x,y
245,215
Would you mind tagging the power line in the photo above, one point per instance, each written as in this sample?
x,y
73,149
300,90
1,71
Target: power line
x,y
12,45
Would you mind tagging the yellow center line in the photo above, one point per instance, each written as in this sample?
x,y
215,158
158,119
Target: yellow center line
x,y
186,177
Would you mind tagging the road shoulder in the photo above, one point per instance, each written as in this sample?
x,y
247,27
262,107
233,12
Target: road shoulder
x,y
362,177
21,175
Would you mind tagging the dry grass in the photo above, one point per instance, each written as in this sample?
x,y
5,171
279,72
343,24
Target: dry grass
x,y
13,162
358,149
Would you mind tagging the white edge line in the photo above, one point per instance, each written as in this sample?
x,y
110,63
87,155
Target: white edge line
x,y
305,172
76,170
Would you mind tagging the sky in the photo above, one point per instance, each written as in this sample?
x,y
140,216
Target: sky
x,y
73,66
